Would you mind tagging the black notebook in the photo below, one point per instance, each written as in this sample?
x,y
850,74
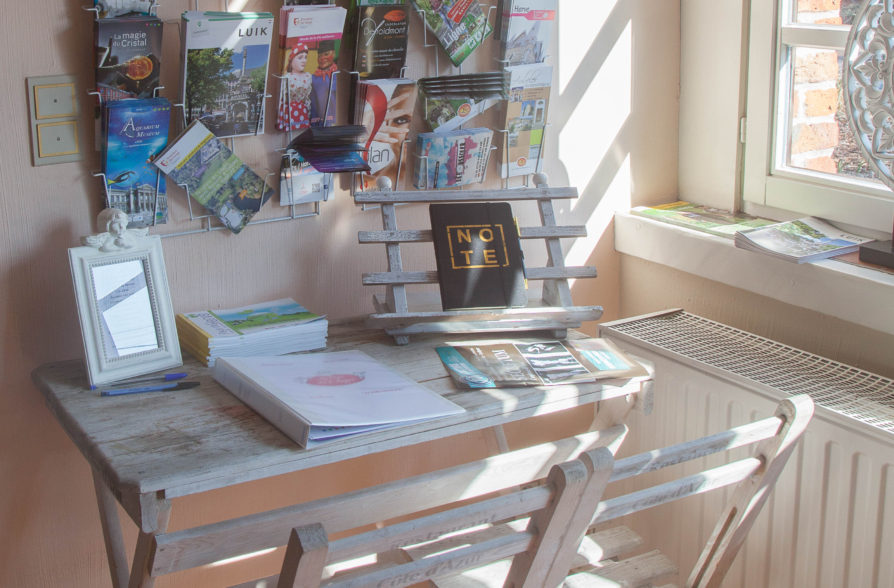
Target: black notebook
x,y
480,262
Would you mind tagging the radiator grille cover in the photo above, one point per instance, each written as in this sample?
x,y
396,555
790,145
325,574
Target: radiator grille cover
x,y
856,393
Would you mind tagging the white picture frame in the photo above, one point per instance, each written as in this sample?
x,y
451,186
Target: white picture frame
x,y
124,303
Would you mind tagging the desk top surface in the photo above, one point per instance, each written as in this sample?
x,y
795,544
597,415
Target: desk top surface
x,y
188,441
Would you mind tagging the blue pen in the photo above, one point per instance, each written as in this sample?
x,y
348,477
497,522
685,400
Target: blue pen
x,y
162,378
152,388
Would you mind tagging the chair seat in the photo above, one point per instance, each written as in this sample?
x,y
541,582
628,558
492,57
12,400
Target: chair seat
x,y
597,557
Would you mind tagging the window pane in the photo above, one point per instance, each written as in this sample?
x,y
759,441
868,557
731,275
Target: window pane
x,y
826,11
820,138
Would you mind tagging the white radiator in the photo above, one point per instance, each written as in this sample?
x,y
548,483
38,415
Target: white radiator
x,y
830,520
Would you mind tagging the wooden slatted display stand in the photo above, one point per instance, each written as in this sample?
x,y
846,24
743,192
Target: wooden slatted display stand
x,y
554,312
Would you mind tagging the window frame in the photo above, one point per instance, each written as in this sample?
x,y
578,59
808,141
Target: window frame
x,y
796,192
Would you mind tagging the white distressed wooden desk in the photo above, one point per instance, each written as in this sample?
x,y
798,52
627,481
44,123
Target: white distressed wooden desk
x,y
146,449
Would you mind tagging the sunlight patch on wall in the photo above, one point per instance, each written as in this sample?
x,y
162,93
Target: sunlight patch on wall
x,y
578,24
599,113
616,197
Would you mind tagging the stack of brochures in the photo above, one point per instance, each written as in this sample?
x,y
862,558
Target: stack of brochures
x,y
497,363
268,328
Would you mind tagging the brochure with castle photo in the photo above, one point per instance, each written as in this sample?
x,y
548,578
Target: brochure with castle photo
x,y
224,81
134,132
525,30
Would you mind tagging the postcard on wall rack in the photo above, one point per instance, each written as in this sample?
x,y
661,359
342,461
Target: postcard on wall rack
x,y
526,30
115,8
456,158
214,176
381,41
385,109
128,57
300,182
459,25
135,131
535,362
525,122
310,39
224,70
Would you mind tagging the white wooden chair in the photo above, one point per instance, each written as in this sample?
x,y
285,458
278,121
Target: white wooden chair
x,y
197,546
531,535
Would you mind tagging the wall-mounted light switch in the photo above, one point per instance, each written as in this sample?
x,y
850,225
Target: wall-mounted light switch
x,y
54,100
54,119
55,139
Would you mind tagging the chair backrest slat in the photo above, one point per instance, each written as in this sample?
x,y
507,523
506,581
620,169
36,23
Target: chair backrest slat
x,y
704,481
650,461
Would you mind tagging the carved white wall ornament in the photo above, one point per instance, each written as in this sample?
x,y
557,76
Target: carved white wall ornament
x,y
868,83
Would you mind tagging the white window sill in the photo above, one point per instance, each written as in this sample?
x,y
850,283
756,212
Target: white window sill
x,y
846,291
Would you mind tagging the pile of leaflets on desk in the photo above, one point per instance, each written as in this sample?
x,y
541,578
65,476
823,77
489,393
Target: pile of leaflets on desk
x,y
268,328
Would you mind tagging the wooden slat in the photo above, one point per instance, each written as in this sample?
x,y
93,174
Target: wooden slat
x,y
605,544
465,195
203,545
639,570
689,450
431,277
424,235
473,320
725,475
305,557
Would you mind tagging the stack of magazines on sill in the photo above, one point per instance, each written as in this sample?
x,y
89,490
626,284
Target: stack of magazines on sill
x,y
800,241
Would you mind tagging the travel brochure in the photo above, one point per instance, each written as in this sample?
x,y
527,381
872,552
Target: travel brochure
x,y
525,30
135,131
310,39
224,70
801,241
128,57
214,176
716,221
459,25
385,109
457,158
525,118
534,362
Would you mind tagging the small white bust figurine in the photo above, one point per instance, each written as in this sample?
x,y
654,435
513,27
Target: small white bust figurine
x,y
115,235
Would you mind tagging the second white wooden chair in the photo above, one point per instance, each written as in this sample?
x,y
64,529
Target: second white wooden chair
x,y
532,535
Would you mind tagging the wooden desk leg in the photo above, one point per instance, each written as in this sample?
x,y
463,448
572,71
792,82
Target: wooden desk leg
x,y
111,532
139,571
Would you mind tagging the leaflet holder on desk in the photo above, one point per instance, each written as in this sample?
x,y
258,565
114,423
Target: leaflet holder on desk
x,y
554,312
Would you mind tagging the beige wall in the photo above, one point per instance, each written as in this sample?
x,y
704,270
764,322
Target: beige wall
x,y
51,533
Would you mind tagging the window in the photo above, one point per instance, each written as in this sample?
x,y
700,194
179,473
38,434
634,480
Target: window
x,y
800,155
